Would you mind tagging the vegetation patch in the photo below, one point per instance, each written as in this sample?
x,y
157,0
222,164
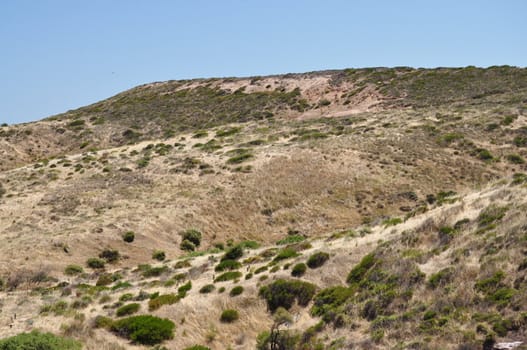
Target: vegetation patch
x,y
164,299
228,276
283,293
144,329
127,309
39,341
229,316
317,260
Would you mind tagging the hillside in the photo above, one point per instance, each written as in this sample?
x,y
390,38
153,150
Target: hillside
x,y
411,180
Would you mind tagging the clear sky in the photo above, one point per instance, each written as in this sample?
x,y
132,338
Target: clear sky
x,y
57,55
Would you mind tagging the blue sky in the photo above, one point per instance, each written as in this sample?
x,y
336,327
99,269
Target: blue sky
x,y
62,54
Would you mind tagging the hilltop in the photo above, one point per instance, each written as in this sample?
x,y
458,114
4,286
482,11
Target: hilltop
x,y
411,180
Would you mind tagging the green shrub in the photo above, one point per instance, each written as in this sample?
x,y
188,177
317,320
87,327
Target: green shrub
x,y
240,158
71,270
127,309
283,293
158,255
249,244
318,259
227,265
441,277
520,141
491,214
104,280
207,288
490,284
286,253
149,271
187,245
58,308
228,131
229,316
328,300
234,253
110,255
228,276
95,263
144,329
182,291
392,222
129,236
260,269
193,236
515,159
160,300
358,272
236,291
39,341
197,347
291,239
102,322
298,270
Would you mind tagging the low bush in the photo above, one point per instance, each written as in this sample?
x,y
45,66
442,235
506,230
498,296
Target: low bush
x,y
187,245
127,309
158,255
286,253
197,347
229,316
283,293
193,236
208,288
236,291
234,253
328,300
71,270
144,329
110,255
95,263
318,259
102,322
164,299
358,272
441,277
228,276
515,159
291,239
129,236
299,270
39,341
227,265
182,291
